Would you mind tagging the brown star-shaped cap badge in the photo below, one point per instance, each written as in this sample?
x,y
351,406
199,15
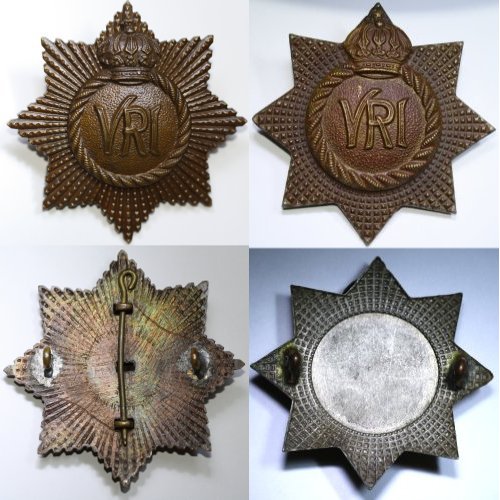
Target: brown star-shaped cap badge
x,y
127,122
124,370
372,124
373,372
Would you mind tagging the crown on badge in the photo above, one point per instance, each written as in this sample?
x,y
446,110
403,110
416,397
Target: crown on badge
x,y
127,46
376,45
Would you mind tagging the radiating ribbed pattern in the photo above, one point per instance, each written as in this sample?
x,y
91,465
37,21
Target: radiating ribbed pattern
x,y
165,401
72,66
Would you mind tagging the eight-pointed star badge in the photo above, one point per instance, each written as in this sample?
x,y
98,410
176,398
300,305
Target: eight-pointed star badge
x,y
373,372
372,124
127,122
124,370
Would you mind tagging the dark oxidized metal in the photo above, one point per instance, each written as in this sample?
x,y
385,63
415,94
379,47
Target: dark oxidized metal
x,y
121,382
379,372
127,122
372,124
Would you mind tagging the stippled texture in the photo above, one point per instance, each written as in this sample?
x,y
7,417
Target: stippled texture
x,y
310,426
309,183
160,154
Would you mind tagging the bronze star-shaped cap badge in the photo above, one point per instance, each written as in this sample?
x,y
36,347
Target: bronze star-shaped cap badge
x,y
127,122
124,370
373,372
372,124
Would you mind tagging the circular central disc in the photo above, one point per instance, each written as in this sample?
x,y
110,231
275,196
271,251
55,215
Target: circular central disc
x,y
373,133
374,373
374,126
129,129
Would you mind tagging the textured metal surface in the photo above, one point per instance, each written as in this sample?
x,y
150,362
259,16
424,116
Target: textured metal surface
x,y
374,373
426,428
372,124
127,122
165,399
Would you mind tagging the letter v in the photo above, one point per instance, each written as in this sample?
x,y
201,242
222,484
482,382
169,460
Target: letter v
x,y
352,122
109,130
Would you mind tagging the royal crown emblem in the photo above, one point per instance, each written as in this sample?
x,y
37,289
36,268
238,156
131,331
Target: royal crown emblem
x,y
372,123
376,45
127,122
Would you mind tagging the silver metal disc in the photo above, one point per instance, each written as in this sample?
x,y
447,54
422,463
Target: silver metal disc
x,y
374,373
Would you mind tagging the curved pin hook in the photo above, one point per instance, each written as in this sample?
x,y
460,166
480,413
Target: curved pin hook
x,y
126,281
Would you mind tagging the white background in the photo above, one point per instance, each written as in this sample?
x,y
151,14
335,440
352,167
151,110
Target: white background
x,y
475,171
25,475
22,222
325,474
22,171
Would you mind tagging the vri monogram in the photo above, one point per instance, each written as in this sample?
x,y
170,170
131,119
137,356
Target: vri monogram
x,y
378,113
146,122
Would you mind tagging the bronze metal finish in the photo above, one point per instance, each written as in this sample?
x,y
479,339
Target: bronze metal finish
x,y
372,124
196,362
379,373
127,122
47,361
146,371
458,371
127,281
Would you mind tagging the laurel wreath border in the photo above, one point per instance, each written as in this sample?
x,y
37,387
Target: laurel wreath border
x,y
122,180
373,181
